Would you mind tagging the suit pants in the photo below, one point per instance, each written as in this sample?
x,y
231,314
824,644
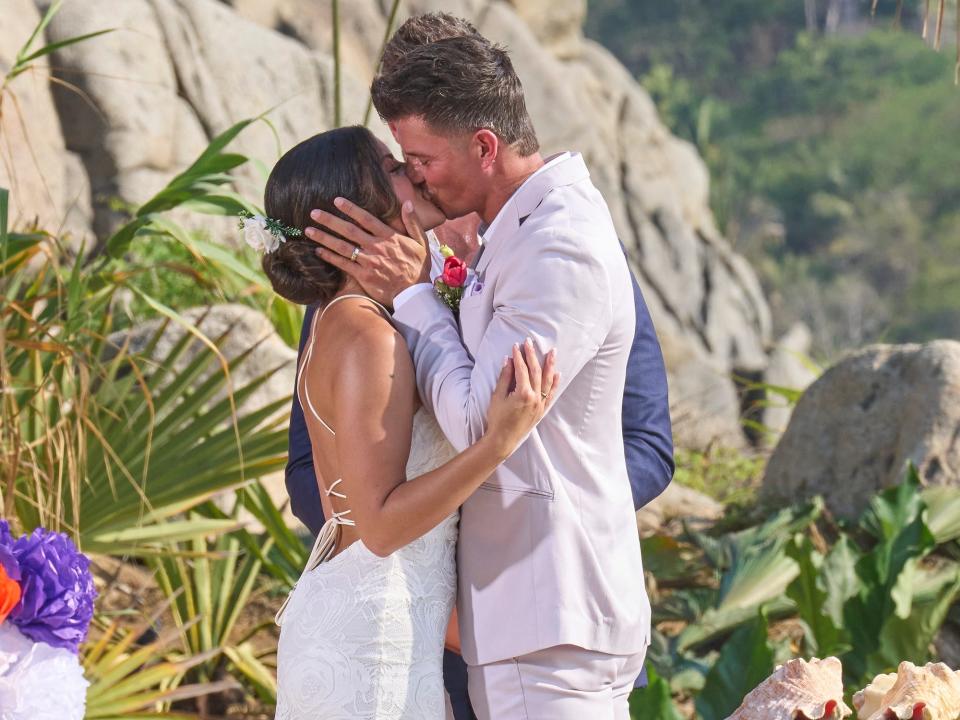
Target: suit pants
x,y
559,683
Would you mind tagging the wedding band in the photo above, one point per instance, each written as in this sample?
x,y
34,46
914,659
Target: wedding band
x,y
355,254
543,395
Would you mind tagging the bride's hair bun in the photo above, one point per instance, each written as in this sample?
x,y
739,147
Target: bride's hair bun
x,y
345,162
298,275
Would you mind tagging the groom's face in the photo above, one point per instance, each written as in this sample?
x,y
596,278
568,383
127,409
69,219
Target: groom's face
x,y
444,166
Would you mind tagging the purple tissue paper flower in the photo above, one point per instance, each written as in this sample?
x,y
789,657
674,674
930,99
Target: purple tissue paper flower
x,y
58,592
7,558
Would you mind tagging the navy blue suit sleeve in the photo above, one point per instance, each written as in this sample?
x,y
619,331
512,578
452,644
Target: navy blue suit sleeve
x,y
300,476
647,433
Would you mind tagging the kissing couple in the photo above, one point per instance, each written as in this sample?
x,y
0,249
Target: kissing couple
x,y
470,460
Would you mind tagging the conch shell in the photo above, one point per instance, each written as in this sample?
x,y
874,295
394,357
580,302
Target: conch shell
x,y
931,692
797,690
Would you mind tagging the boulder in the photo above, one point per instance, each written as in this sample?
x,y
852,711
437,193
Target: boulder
x,y
789,368
229,69
362,27
677,502
31,143
855,429
704,405
557,23
124,125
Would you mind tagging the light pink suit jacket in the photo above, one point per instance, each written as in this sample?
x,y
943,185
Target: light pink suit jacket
x,y
548,553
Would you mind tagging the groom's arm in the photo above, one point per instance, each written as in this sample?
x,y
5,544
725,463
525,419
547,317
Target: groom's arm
x,y
559,302
647,433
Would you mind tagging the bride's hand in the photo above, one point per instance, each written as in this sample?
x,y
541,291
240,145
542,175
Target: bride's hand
x,y
523,393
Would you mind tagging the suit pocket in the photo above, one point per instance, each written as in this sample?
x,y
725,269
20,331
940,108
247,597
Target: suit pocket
x,y
523,473
474,318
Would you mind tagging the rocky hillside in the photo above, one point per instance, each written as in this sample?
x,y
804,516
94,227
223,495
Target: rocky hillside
x,y
177,72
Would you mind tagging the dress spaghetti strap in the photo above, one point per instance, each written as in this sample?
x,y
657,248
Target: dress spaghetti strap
x,y
309,351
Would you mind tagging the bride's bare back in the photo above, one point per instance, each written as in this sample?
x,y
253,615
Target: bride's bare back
x,y
352,342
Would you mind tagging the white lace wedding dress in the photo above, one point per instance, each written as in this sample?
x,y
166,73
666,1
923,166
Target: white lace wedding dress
x,y
362,636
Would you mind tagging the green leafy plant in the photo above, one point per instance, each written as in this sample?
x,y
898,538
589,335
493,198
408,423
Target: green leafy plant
x,y
106,443
875,606
719,588
209,582
745,660
654,701
26,56
131,679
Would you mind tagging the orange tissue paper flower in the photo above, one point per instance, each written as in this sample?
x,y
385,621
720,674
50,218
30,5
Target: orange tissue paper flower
x,y
9,593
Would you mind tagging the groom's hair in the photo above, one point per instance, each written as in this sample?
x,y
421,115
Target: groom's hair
x,y
422,30
458,84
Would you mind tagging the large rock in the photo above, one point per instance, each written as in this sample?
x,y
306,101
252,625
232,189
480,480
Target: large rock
x,y
855,429
677,502
32,149
362,28
557,23
790,368
124,124
704,405
230,69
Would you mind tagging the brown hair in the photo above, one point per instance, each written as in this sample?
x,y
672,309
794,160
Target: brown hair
x,y
423,30
345,162
458,84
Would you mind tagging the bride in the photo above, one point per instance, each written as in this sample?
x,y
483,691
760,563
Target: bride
x,y
362,633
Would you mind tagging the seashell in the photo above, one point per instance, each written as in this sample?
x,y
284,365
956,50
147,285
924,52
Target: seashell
x,y
867,701
931,692
796,690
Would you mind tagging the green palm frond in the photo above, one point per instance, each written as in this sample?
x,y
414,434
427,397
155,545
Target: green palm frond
x,y
209,581
134,679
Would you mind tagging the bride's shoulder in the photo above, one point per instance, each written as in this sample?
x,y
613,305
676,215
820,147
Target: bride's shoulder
x,y
359,334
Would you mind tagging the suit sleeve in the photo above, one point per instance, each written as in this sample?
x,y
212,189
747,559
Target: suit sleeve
x,y
299,475
552,294
647,432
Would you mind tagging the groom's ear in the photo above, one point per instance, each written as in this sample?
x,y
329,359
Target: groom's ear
x,y
487,146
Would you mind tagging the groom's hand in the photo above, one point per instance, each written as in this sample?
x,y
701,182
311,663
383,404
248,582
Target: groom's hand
x,y
383,261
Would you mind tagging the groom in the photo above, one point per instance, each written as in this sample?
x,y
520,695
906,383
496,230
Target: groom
x,y
554,614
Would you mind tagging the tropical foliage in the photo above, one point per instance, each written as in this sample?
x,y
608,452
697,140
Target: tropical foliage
x,y
731,606
824,143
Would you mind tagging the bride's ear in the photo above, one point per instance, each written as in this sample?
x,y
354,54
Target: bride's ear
x,y
396,222
487,145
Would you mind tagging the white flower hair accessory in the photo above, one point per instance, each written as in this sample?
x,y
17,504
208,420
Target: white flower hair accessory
x,y
265,234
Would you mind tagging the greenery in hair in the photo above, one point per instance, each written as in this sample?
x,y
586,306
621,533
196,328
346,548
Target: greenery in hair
x,y
274,227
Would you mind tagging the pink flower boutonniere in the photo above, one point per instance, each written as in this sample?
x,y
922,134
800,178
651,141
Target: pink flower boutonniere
x,y
449,285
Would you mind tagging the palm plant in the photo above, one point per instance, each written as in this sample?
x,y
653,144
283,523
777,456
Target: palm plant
x,y
131,679
209,581
102,442
106,443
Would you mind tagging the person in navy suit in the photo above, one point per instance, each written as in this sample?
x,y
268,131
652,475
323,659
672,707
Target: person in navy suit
x,y
648,441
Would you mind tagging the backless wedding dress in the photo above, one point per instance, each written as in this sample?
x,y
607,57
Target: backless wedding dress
x,y
362,636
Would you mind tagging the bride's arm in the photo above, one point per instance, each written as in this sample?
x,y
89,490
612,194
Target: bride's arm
x,y
373,413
